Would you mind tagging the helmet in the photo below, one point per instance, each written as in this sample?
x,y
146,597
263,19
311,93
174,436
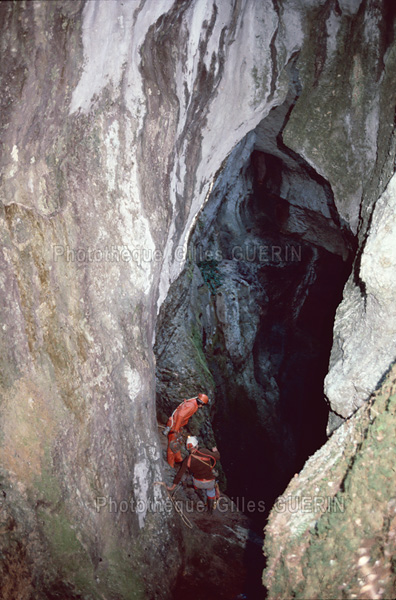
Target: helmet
x,y
192,442
203,399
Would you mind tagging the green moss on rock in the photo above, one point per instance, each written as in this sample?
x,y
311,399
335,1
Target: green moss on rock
x,y
350,543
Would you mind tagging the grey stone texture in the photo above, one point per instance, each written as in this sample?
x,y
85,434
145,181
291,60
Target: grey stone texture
x,y
115,120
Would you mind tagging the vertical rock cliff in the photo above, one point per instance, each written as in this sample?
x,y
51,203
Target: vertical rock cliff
x,y
110,121
117,118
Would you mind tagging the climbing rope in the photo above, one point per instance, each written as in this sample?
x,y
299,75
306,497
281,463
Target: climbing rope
x,y
178,509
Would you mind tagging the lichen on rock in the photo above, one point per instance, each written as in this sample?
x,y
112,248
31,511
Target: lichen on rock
x,y
333,530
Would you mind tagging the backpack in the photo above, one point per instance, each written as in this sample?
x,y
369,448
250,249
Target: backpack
x,y
206,460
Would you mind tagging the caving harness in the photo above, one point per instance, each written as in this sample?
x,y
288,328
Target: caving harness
x,y
177,442
206,460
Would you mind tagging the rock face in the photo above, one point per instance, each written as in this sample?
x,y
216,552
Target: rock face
x,y
268,197
116,118
365,329
332,533
110,122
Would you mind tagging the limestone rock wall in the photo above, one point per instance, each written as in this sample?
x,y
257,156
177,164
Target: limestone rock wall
x,y
365,326
338,117
269,234
332,533
115,118
110,121
343,124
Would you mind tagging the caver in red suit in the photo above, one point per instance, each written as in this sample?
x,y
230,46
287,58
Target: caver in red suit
x,y
179,419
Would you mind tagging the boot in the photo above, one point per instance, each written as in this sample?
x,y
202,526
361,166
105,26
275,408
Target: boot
x,y
211,502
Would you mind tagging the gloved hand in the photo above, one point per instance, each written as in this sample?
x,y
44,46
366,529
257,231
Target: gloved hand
x,y
166,431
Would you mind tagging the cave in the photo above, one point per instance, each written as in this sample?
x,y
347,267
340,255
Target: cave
x,y
273,255
197,195
279,420
250,320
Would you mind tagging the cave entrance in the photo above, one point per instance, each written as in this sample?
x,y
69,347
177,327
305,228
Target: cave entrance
x,y
280,258
250,319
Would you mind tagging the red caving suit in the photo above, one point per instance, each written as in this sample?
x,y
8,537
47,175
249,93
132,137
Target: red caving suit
x,y
179,419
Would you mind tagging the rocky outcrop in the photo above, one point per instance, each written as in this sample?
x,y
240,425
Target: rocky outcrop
x,y
332,533
346,109
365,328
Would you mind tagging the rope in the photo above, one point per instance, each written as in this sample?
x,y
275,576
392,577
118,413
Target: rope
x,y
178,509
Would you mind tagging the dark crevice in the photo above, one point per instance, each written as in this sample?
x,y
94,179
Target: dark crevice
x,y
389,21
337,9
357,263
297,341
321,41
274,77
356,456
260,341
